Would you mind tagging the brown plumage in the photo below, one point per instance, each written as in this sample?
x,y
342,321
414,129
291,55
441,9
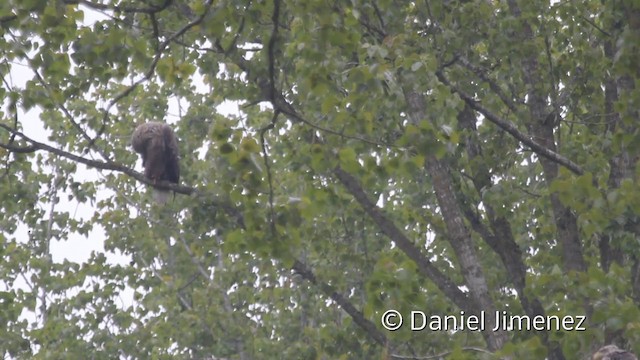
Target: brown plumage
x,y
158,146
612,352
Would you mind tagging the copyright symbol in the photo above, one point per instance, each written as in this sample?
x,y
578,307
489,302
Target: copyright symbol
x,y
391,320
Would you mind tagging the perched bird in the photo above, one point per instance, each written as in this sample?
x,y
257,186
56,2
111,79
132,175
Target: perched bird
x,y
612,352
158,146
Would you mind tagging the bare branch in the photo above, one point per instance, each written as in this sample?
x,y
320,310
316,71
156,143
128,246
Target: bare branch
x,y
104,165
446,285
355,314
513,130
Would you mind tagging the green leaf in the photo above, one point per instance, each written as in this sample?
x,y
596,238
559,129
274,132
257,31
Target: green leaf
x,y
348,159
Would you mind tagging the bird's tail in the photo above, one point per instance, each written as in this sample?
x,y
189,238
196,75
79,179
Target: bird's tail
x,y
161,197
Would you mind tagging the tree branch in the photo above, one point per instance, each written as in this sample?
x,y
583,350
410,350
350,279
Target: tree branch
x,y
513,130
355,314
448,287
103,165
458,234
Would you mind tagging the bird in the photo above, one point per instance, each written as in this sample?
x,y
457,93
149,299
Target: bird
x,y
612,352
157,144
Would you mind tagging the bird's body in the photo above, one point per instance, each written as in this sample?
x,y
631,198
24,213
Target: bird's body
x,y
158,146
612,352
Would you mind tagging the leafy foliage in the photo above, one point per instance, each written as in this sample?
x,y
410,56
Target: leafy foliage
x,y
339,159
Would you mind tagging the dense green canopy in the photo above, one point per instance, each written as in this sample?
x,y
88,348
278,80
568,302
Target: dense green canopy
x,y
340,159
